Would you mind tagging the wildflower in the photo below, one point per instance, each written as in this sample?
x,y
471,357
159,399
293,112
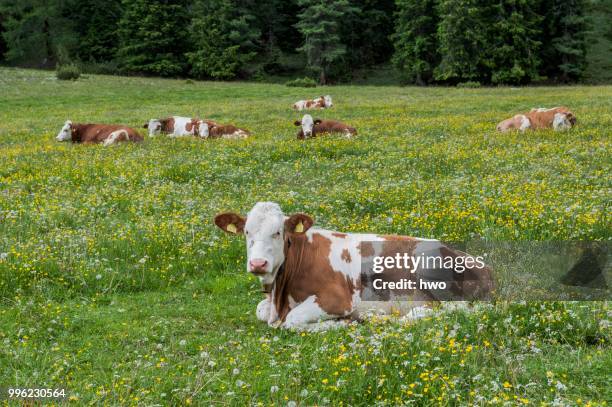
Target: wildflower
x,y
274,389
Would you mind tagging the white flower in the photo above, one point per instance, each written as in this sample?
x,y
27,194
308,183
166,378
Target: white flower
x,y
98,276
3,256
239,383
212,363
274,389
291,403
183,342
235,371
304,393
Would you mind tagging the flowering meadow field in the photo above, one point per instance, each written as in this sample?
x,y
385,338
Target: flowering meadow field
x,y
116,285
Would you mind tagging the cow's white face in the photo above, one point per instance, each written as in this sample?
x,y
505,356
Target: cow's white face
x,y
65,133
328,101
307,124
265,229
203,129
154,127
563,121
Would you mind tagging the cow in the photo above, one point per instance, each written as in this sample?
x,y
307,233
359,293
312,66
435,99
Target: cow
x,y
312,127
557,118
107,134
322,102
227,131
312,276
177,126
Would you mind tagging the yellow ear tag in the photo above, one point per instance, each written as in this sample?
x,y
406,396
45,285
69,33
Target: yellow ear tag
x,y
299,228
231,228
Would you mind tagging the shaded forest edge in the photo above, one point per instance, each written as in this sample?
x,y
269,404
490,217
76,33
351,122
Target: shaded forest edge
x,y
423,42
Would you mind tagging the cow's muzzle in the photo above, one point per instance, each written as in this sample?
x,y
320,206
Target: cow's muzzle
x,y
258,266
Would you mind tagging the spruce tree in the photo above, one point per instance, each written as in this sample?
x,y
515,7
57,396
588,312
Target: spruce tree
x,y
152,37
95,24
462,41
36,32
513,42
319,23
564,49
223,39
415,40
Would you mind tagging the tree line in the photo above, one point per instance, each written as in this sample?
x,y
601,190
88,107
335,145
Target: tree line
x,y
427,41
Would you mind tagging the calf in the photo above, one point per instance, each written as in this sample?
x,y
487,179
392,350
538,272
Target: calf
x,y
106,134
311,275
557,118
228,131
322,102
310,128
177,126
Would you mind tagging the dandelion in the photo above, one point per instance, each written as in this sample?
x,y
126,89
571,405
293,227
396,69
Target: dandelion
x,y
274,389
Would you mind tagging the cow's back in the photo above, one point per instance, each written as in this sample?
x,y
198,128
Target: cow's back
x,y
98,133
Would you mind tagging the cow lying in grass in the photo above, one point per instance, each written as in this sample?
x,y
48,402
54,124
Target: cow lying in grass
x,y
107,134
557,118
312,275
312,127
322,102
178,126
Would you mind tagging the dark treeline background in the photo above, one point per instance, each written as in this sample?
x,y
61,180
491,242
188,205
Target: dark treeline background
x,y
426,41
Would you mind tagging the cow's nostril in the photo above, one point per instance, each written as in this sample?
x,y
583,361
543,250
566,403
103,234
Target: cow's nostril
x,y
257,264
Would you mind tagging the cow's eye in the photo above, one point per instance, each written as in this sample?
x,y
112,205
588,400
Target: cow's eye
x,y
277,234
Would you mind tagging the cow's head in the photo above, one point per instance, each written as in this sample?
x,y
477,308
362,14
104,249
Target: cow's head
x,y
328,101
265,229
564,120
154,127
65,133
307,124
202,129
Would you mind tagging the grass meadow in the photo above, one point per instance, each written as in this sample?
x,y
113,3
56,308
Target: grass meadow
x,y
116,285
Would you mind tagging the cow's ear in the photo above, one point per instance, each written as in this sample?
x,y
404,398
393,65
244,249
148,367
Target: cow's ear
x,y
297,123
146,126
318,121
298,223
230,222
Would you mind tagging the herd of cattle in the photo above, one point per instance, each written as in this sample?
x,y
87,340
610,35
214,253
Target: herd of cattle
x,y
558,118
311,277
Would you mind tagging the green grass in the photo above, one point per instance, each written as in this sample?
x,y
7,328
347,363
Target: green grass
x,y
116,285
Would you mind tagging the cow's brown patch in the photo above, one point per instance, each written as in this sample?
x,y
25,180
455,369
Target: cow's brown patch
x,y
98,133
307,271
366,249
167,125
346,256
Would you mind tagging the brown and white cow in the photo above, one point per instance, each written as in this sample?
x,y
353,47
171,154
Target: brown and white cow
x,y
177,126
312,127
322,102
312,275
557,118
106,134
228,131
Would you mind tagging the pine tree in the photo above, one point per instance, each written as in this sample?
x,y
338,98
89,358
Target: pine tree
x,y
319,23
513,42
564,49
366,32
95,24
224,39
153,37
36,32
462,41
415,40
